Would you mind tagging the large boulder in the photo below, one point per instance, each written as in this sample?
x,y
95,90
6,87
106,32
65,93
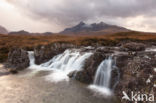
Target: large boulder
x,y
133,72
133,46
17,60
90,67
45,53
136,74
89,70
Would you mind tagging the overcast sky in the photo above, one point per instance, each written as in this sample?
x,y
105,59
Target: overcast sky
x,y
55,15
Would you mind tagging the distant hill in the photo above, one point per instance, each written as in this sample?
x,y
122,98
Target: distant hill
x,y
3,30
95,28
23,32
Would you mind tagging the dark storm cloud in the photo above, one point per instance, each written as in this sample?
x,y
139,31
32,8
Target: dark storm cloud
x,y
68,12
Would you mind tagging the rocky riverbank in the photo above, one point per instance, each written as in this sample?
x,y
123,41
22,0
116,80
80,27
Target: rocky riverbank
x,y
136,66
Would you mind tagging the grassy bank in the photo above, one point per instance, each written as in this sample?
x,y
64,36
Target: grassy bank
x,y
29,42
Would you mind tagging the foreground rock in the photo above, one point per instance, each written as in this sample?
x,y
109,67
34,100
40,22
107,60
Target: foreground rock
x,y
44,53
92,63
133,46
17,60
3,72
136,72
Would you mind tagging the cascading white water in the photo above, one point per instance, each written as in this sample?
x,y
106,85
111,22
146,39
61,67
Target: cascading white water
x,y
62,64
103,73
31,58
103,77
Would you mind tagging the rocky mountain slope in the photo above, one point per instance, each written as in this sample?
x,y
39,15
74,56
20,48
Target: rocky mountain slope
x,y
3,30
95,28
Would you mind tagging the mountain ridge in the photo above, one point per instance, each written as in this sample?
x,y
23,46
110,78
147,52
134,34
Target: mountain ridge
x,y
23,32
3,30
94,28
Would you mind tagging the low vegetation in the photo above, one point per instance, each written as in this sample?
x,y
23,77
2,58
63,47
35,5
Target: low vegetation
x,y
29,41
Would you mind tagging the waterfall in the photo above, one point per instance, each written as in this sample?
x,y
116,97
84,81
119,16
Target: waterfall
x,y
62,64
103,73
31,58
102,78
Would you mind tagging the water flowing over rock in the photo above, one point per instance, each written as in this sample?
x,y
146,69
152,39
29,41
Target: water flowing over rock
x,y
63,64
17,59
136,71
31,58
103,73
90,67
130,69
45,53
103,76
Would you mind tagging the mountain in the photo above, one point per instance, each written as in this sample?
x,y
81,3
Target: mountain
x,y
23,32
46,33
95,28
3,30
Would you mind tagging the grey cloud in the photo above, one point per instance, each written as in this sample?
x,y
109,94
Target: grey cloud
x,y
68,12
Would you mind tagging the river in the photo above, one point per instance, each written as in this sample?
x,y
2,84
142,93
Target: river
x,y
31,87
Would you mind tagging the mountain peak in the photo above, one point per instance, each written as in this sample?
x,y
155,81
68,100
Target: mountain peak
x,y
81,23
95,27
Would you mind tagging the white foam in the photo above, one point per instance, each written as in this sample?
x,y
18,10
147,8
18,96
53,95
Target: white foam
x,y
57,76
150,49
61,65
148,81
102,77
101,90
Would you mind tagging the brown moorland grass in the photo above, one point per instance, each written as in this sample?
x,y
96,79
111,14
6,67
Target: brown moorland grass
x,y
30,41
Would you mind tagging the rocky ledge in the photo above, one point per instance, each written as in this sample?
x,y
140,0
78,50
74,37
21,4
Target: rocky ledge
x,y
44,53
17,60
137,74
136,69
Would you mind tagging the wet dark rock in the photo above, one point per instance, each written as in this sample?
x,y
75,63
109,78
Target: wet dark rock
x,y
17,60
72,74
133,46
13,71
44,53
84,77
135,72
105,50
115,77
91,65
133,69
3,72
